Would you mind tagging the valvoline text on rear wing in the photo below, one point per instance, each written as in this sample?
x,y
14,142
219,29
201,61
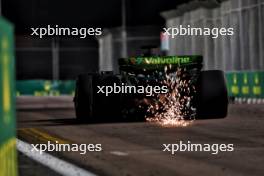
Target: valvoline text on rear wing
x,y
158,63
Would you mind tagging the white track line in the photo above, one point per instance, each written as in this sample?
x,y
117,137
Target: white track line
x,y
119,153
55,164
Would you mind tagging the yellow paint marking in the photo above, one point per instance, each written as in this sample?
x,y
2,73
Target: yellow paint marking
x,y
245,78
235,90
256,79
41,135
4,43
47,86
235,79
8,162
6,88
257,90
245,90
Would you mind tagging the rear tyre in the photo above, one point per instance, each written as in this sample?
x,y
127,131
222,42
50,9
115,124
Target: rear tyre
x,y
212,98
84,97
92,106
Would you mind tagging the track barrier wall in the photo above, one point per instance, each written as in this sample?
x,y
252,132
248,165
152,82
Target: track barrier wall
x,y
247,84
45,87
8,157
241,84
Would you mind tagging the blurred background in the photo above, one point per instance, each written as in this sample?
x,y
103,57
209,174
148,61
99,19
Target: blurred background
x,y
37,81
129,25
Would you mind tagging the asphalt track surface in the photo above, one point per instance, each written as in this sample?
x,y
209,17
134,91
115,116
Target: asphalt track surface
x,y
136,148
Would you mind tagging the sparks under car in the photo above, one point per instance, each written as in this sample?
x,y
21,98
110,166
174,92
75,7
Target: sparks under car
x,y
191,93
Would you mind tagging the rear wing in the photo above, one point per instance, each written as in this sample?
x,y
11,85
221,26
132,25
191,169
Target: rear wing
x,y
143,64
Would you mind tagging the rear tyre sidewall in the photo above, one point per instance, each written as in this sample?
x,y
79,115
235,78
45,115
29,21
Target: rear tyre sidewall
x,y
212,98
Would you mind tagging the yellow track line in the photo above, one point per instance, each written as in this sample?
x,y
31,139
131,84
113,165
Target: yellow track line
x,y
41,135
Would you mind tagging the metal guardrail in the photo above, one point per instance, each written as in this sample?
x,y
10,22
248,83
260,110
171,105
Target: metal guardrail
x,y
242,51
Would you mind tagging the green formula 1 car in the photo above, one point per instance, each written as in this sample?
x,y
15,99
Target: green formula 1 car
x,y
152,86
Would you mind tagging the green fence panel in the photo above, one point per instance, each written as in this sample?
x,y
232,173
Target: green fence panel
x,y
245,84
8,161
45,87
29,87
234,84
67,87
258,84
